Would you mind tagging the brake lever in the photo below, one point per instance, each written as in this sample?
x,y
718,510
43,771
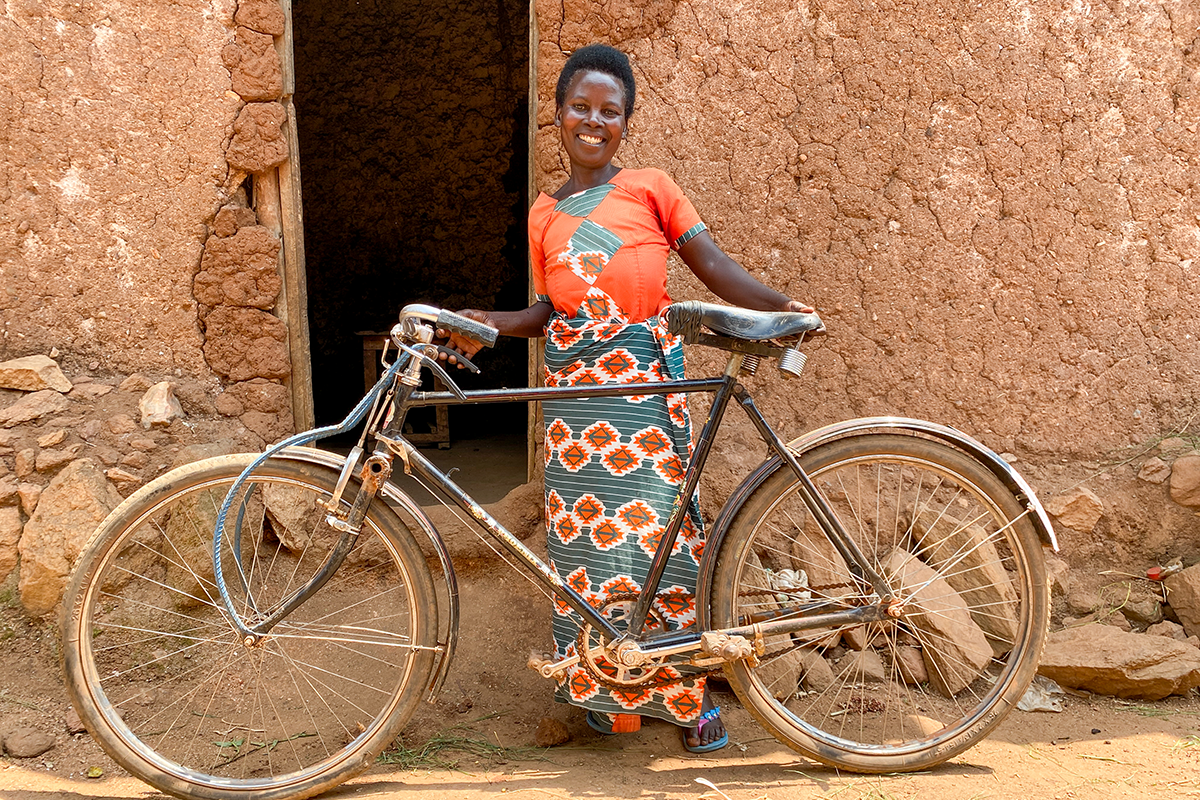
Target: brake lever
x,y
466,362
441,373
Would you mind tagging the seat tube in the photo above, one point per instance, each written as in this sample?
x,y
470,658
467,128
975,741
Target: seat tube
x,y
691,479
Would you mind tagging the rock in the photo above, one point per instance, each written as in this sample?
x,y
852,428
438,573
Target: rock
x,y
264,16
143,444
1172,630
1172,444
26,462
9,490
1183,593
254,66
10,534
240,270
28,493
52,439
781,674
1105,660
71,507
969,562
1154,470
32,407
72,722
121,477
90,391
121,424
27,743
1143,612
33,374
818,675
911,665
1078,509
135,460
1058,575
245,343
864,666
293,512
90,429
137,382
550,732
159,406
50,460
258,142
1185,481
938,614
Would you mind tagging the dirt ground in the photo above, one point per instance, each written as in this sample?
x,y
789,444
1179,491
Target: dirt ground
x,y
477,739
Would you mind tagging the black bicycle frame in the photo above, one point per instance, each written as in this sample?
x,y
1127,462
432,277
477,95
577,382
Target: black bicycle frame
x,y
723,389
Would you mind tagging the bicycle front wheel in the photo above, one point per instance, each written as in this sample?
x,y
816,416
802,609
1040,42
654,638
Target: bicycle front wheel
x,y
161,678
954,546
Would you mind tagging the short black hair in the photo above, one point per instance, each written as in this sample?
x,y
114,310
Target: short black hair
x,y
598,58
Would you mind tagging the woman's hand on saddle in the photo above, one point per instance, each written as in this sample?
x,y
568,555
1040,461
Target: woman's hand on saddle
x,y
798,307
462,344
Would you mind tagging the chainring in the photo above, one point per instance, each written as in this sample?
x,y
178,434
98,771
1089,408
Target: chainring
x,y
591,645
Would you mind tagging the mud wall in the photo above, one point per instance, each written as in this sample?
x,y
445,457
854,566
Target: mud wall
x,y
994,207
114,118
137,288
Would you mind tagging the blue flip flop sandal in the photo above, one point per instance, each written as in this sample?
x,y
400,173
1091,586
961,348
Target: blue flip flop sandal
x,y
610,724
704,719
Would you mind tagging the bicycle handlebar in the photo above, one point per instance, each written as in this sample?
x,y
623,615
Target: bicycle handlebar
x,y
465,326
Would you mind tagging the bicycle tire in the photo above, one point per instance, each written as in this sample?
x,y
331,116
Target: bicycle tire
x,y
161,679
907,693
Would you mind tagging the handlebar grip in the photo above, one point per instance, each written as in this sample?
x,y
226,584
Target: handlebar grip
x,y
485,334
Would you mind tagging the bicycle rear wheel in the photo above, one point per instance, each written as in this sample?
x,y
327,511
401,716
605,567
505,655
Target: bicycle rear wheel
x,y
953,544
161,678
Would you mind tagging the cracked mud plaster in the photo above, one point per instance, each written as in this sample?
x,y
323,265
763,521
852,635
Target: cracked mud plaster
x,y
993,206
113,118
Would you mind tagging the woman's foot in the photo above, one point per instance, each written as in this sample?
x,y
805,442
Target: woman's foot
x,y
608,724
708,734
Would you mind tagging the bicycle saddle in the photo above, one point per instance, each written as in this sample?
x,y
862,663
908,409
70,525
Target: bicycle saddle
x,y
684,319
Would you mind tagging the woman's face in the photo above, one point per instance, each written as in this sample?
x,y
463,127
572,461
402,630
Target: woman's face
x,y
592,119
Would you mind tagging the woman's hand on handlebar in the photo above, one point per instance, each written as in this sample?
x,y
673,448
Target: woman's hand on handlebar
x,y
463,344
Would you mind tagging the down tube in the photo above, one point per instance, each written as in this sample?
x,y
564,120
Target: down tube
x,y
538,568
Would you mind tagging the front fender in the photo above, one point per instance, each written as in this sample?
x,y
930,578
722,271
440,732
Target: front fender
x,y
840,430
397,498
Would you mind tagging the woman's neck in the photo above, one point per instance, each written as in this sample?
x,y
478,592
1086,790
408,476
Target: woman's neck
x,y
583,179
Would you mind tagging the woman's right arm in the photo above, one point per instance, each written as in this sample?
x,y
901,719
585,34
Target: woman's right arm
x,y
529,323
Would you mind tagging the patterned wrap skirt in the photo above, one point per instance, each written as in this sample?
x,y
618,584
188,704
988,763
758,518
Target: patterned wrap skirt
x,y
614,467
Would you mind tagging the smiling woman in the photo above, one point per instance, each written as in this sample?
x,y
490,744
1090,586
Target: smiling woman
x,y
599,248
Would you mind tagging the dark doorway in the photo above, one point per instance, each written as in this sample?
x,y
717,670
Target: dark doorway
x,y
413,120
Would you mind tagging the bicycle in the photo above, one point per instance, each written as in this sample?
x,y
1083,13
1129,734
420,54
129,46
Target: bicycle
x,y
262,626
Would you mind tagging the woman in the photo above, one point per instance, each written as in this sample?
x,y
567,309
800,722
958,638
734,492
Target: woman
x,y
599,248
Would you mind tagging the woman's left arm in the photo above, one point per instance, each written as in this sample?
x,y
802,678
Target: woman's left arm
x,y
726,278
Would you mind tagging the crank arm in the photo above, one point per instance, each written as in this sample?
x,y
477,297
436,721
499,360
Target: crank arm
x,y
551,669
